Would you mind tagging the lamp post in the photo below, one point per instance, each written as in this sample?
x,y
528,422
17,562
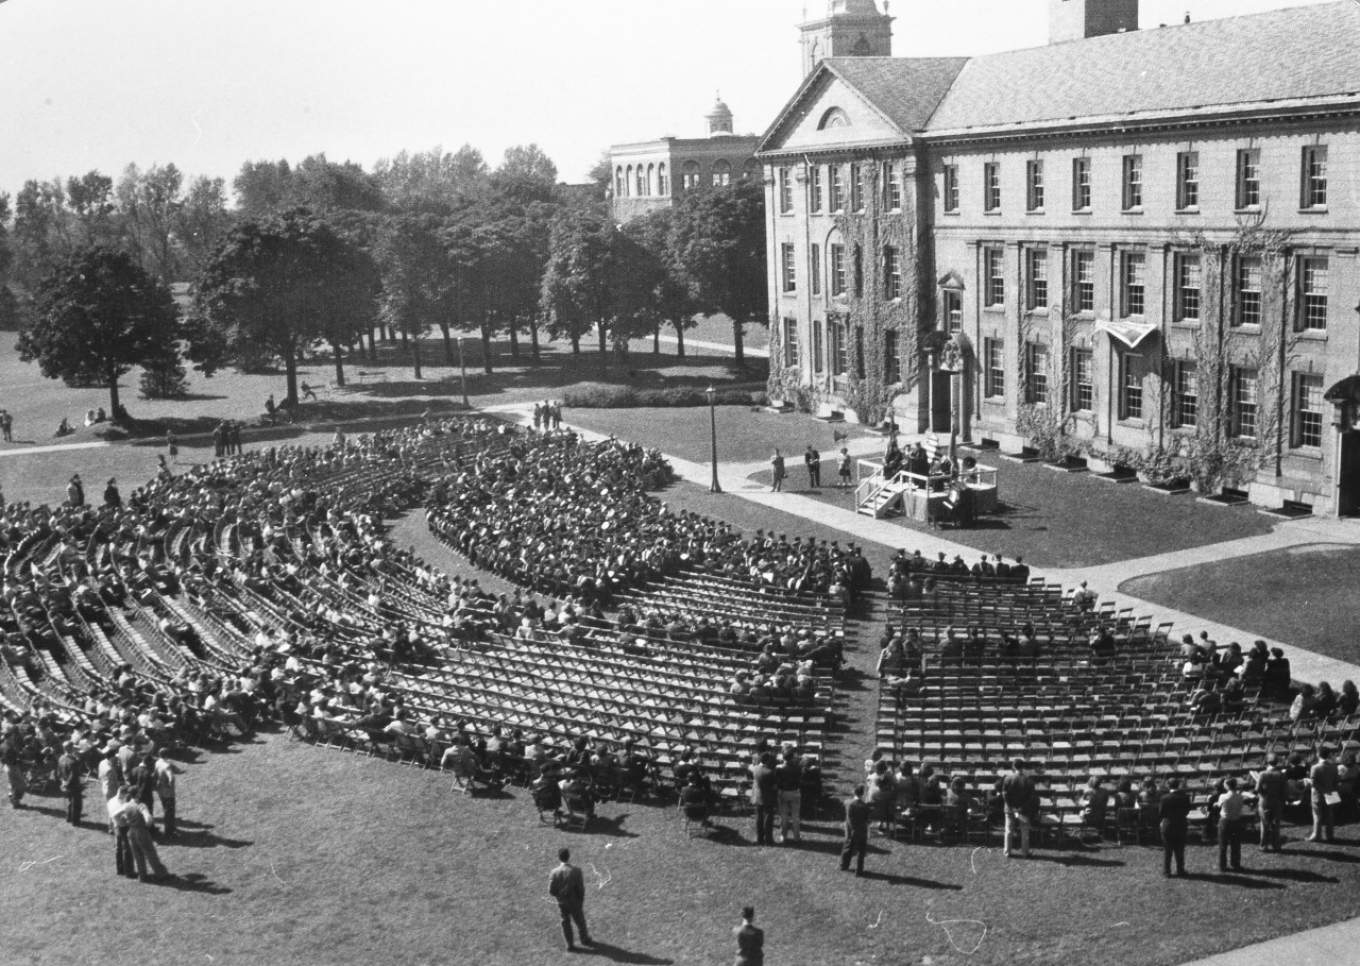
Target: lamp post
x,y
713,436
462,368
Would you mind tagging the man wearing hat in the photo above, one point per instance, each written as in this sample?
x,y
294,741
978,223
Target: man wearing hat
x,y
71,781
13,767
110,779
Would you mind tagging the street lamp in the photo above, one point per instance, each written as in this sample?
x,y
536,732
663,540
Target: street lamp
x,y
462,368
713,436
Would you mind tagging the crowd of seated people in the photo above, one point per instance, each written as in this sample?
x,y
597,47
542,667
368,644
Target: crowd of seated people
x,y
913,574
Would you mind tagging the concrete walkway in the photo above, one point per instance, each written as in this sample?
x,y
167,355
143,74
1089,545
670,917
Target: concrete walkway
x,y
16,449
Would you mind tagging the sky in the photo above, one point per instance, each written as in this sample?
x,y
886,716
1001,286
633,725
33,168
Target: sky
x,y
209,84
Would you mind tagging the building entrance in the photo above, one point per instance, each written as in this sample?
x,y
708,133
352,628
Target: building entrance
x,y
940,401
1348,475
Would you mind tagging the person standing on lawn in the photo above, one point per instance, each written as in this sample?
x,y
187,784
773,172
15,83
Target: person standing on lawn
x,y
71,781
1230,805
165,788
777,466
843,469
750,939
1017,792
813,459
1322,781
1270,796
856,831
567,885
6,425
1172,812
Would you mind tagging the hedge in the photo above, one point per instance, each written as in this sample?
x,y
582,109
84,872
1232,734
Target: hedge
x,y
603,396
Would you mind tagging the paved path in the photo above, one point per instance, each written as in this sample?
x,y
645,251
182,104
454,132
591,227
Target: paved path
x,y
720,347
22,450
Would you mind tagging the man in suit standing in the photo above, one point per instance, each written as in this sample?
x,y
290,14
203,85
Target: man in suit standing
x,y
1322,780
567,885
1017,792
1172,812
72,782
1270,795
765,797
750,940
856,831
813,459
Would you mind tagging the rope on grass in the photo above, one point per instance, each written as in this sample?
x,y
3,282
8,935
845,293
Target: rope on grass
x,y
972,859
946,923
875,923
601,880
30,863
275,872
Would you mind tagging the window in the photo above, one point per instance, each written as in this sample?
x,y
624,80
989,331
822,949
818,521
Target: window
x,y
859,352
663,182
833,172
1084,280
837,269
856,187
1187,269
1307,410
1034,182
953,310
1248,292
1314,177
815,187
994,378
1036,367
1185,402
651,179
816,270
722,173
1081,184
788,267
1083,381
840,352
1133,182
892,187
1187,181
892,274
790,343
817,363
785,190
1243,383
991,186
994,270
951,187
1135,283
1130,387
892,365
1036,278
1312,307
620,185
641,182
859,272
689,179
1248,178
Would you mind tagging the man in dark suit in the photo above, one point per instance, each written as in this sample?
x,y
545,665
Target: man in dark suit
x,y
1172,811
750,940
1270,795
765,797
1018,792
567,885
72,782
856,831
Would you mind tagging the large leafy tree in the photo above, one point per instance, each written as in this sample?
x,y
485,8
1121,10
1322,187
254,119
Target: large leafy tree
x,y
416,275
720,247
276,284
149,202
432,181
98,315
672,302
575,292
200,222
526,174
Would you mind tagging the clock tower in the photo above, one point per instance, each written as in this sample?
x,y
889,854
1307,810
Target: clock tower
x,y
851,28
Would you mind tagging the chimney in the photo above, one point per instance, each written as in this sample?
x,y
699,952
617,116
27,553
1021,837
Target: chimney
x,y
1081,19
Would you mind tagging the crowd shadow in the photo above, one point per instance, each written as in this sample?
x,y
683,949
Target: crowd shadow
x,y
893,878
194,882
1241,878
1292,875
620,955
202,837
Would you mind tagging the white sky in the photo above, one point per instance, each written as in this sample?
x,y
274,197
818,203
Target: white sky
x,y
208,84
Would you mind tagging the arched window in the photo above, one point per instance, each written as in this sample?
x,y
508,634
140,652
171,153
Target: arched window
x,y
651,179
628,181
620,185
641,181
834,117
689,176
662,182
722,173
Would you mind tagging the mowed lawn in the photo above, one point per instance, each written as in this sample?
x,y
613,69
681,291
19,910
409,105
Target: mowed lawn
x,y
296,854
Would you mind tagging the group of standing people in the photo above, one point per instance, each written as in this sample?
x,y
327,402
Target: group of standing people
x,y
547,416
812,459
226,437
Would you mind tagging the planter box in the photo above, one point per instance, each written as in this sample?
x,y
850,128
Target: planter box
x,y
1026,455
1069,465
1166,487
1120,474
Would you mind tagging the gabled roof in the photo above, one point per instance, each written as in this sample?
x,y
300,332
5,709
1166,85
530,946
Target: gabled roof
x,y
1297,54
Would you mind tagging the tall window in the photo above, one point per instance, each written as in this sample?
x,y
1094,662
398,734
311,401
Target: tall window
x,y
837,256
689,180
859,272
1084,280
1133,181
1248,292
785,190
840,352
789,267
1081,184
1130,387
892,187
790,332
953,310
1314,177
994,381
1187,180
951,187
1036,367
620,183
994,270
892,363
859,352
651,179
856,187
1185,403
1308,409
1036,278
722,173
663,180
1134,283
817,364
816,280
991,186
1083,381
641,181
1243,386
1248,178
815,187
1312,302
837,186
892,274
1187,269
1034,186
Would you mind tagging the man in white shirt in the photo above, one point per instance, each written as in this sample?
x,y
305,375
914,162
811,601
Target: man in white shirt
x,y
1230,807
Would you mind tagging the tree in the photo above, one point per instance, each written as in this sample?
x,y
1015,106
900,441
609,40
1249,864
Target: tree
x,y
263,187
526,174
42,231
720,247
432,181
575,289
601,176
200,222
90,200
276,284
149,202
672,301
415,273
98,315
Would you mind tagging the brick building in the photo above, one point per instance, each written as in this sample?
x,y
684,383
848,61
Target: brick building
x,y
1136,245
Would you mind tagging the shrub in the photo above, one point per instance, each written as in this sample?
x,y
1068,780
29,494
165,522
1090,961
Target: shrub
x,y
596,395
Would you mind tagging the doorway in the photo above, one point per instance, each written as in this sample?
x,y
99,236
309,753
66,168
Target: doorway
x,y
1348,475
940,401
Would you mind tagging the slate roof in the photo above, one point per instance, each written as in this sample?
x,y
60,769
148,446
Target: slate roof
x,y
1298,53
906,89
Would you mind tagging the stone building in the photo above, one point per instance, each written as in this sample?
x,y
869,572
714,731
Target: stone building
x,y
1139,246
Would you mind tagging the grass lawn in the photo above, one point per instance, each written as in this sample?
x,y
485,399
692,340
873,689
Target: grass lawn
x,y
1304,595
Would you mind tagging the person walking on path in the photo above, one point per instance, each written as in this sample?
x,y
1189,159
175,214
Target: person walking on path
x,y
1017,792
567,885
856,831
750,939
813,459
1322,781
1172,812
777,465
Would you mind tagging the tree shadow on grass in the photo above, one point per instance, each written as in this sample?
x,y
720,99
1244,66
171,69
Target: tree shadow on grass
x,y
194,882
620,955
